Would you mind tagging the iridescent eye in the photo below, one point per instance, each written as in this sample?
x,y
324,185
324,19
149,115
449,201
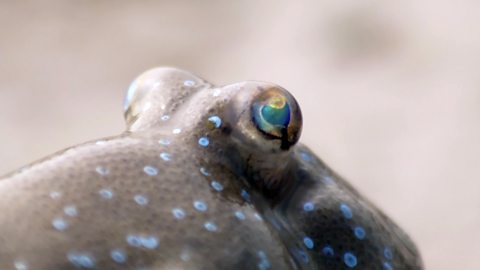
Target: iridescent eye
x,y
276,115
272,116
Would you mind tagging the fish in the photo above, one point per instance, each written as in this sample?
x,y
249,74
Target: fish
x,y
203,177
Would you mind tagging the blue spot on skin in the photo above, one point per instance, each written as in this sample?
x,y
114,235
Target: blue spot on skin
x,y
134,240
70,210
145,241
349,259
328,251
106,193
189,83
60,224
217,186
240,215
359,232
245,195
149,242
210,226
264,262
204,171
217,121
387,252
305,156
346,211
164,141
301,255
258,217
203,141
165,117
19,265
81,260
178,213
200,206
150,170
101,170
308,206
141,199
118,256
165,156
387,266
308,242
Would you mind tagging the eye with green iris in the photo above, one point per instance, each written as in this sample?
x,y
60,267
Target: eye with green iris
x,y
272,116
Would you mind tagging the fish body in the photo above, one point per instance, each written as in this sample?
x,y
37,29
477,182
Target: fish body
x,y
204,177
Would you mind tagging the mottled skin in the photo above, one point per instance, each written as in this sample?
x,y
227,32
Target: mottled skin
x,y
180,191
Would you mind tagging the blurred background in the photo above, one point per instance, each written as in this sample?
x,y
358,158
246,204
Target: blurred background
x,y
390,90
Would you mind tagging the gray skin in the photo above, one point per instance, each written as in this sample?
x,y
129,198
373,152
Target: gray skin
x,y
182,190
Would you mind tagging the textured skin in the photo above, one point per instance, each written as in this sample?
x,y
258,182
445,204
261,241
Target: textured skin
x,y
157,197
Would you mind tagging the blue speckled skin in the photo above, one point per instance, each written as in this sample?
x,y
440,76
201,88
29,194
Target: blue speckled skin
x,y
192,184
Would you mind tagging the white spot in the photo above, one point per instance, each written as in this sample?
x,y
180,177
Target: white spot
x,y
200,206
118,256
240,215
204,171
210,226
106,193
145,241
217,186
60,224
165,156
70,210
165,117
102,170
258,217
164,141
81,260
189,83
178,213
216,92
150,170
100,142
150,242
20,265
141,199
176,130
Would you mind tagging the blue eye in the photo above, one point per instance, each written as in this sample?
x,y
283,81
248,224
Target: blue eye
x,y
276,115
272,116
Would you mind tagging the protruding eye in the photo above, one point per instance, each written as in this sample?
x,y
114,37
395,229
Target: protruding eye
x,y
272,116
276,115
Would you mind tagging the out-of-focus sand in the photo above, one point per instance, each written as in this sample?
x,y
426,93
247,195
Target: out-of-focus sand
x,y
390,91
